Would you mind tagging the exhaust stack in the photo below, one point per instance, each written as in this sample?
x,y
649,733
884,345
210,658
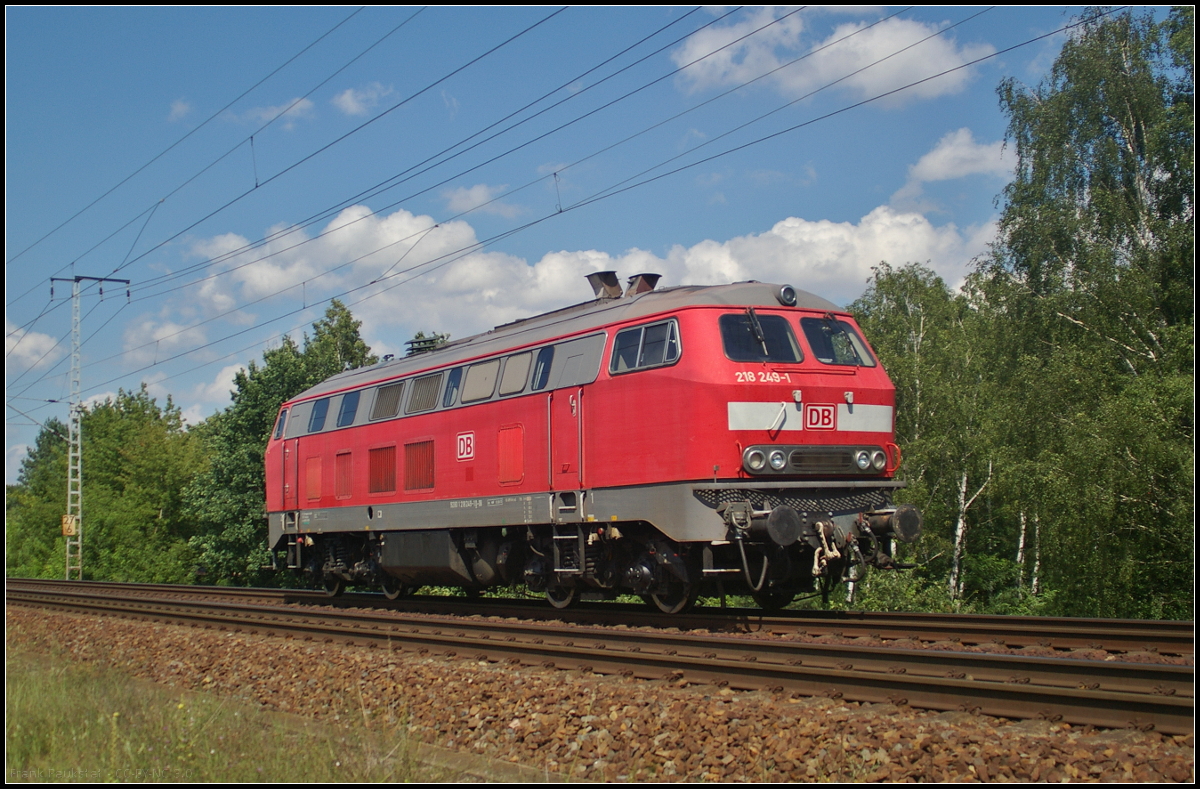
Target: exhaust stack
x,y
642,283
605,284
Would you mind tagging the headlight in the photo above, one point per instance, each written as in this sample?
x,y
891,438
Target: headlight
x,y
756,460
878,460
862,459
778,460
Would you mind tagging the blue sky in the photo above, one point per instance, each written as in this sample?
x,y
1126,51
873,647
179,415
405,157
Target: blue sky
x,y
265,160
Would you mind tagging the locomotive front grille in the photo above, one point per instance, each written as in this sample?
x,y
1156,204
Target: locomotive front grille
x,y
811,500
822,460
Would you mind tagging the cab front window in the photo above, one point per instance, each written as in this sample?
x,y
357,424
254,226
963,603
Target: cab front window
x,y
835,341
750,337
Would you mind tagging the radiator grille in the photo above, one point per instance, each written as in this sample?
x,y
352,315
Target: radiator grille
x,y
418,465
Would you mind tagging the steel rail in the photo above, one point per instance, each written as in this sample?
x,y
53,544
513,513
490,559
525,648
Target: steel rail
x,y
1102,693
1059,633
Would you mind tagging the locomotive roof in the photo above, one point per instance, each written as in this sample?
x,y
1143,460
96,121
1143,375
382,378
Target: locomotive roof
x,y
573,320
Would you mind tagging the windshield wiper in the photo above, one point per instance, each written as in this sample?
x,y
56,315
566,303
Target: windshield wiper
x,y
757,330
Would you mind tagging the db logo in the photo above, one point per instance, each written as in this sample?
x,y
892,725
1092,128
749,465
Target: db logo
x,y
819,417
466,446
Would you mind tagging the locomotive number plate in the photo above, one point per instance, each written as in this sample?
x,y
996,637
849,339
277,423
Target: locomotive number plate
x,y
760,377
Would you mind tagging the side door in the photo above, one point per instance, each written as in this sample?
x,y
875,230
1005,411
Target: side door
x,y
291,473
566,439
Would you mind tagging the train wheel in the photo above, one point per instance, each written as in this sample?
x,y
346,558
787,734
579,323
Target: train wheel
x,y
772,600
678,598
561,596
333,586
393,589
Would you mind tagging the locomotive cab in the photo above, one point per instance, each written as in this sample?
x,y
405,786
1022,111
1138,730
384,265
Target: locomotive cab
x,y
811,414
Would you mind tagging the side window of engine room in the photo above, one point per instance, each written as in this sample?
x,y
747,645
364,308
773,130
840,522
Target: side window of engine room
x,y
516,373
642,347
348,408
316,420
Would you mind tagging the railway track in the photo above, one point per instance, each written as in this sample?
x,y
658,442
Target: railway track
x,y
1108,693
1119,637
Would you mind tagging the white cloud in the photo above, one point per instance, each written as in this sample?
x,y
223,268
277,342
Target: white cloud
x,y
217,390
288,113
150,340
831,259
741,61
28,350
451,104
99,399
179,110
13,455
355,248
956,155
480,197
359,102
449,291
205,398
850,48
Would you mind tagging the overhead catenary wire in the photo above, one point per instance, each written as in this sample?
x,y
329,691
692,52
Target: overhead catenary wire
x,y
592,199
808,95
148,213
355,130
611,192
220,158
173,145
36,422
460,174
556,173
294,103
383,186
49,350
833,113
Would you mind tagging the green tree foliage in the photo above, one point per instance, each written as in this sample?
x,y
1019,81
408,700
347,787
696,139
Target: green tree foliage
x,y
227,502
1059,384
137,458
936,346
1093,275
918,328
34,508
335,345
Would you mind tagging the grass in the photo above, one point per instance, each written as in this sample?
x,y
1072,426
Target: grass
x,y
68,722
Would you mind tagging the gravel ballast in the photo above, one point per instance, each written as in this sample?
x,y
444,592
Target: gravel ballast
x,y
591,727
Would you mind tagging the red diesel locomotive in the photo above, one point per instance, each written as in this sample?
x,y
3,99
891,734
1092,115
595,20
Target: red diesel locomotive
x,y
649,442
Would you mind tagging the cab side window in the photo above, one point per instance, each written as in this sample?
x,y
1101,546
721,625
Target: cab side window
x,y
643,347
280,424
